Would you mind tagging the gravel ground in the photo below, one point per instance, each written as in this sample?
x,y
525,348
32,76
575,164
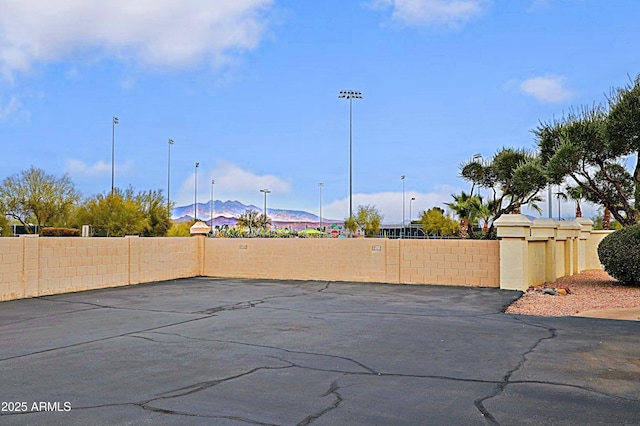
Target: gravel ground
x,y
589,290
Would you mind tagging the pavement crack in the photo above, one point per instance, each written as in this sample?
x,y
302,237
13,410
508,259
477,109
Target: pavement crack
x,y
200,386
333,390
102,339
325,287
502,384
358,363
100,306
232,307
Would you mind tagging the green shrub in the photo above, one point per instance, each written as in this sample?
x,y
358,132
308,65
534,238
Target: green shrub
x,y
619,252
60,232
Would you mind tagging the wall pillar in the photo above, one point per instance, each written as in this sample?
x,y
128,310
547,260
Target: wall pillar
x,y
569,231
199,230
586,225
513,231
546,228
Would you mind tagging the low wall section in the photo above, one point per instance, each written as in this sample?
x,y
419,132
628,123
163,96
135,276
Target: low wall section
x,y
33,266
448,262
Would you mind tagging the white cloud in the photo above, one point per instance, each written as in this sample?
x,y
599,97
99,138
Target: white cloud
x,y
453,13
13,108
80,169
390,204
231,182
163,33
546,89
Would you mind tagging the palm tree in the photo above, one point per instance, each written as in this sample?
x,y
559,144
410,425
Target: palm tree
x,y
576,193
463,208
485,211
606,219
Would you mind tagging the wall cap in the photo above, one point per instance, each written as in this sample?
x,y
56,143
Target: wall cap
x,y
513,220
199,228
569,224
544,222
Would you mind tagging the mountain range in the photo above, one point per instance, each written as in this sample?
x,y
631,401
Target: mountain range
x,y
226,213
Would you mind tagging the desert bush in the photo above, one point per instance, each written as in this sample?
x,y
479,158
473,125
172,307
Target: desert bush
x,y
60,232
619,253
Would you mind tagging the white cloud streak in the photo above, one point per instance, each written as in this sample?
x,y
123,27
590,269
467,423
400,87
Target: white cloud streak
x,y
79,169
158,33
231,182
546,89
451,13
390,204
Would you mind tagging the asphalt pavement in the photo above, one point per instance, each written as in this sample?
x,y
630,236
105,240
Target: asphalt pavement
x,y
257,352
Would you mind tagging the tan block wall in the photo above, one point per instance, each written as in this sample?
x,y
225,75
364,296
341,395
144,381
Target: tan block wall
x,y
450,262
32,266
447,262
11,268
299,259
159,259
593,261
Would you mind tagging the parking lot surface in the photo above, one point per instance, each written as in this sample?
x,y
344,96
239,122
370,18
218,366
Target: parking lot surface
x,y
252,352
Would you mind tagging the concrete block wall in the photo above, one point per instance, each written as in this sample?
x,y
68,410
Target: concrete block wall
x,y
450,262
32,266
360,259
446,262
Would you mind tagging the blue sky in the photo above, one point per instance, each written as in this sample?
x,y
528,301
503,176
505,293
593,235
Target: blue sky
x,y
249,89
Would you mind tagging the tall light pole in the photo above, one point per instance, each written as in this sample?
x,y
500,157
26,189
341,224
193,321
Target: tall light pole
x,y
350,94
212,183
402,179
195,199
113,151
169,178
475,157
410,225
266,191
320,185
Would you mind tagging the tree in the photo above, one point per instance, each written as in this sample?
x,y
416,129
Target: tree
x,y
576,193
588,147
434,222
115,214
158,219
32,196
251,219
514,176
181,229
462,206
367,219
5,226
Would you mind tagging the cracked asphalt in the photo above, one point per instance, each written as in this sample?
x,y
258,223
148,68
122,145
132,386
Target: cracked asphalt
x,y
237,352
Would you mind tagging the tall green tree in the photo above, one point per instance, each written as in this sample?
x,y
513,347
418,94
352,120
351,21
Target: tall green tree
x,y
514,177
158,220
589,148
35,197
124,213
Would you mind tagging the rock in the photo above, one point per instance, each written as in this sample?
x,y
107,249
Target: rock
x,y
565,288
549,291
561,291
